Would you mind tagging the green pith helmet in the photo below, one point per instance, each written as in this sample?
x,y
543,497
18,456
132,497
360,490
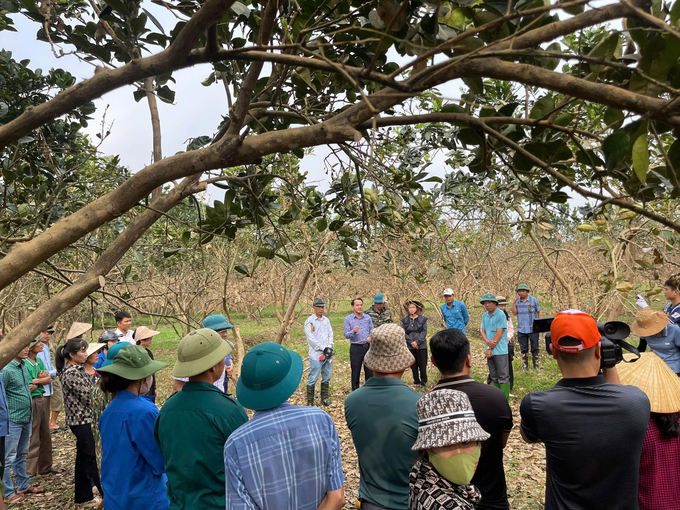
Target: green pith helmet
x,y
488,297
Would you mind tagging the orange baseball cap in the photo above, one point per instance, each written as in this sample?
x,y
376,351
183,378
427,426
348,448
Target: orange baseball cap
x,y
574,324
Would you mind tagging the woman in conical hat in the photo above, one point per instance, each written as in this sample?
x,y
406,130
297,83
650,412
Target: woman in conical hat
x,y
660,461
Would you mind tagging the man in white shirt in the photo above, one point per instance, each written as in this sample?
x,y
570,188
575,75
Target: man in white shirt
x,y
320,339
124,323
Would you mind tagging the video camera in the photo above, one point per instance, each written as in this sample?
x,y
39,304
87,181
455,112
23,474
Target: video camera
x,y
612,341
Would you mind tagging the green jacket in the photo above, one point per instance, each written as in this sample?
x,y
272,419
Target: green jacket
x,y
380,318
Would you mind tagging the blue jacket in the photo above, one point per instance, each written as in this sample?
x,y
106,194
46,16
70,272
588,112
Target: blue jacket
x,y
455,316
133,469
666,345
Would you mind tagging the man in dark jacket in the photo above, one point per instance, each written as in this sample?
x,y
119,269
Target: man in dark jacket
x,y
415,326
379,313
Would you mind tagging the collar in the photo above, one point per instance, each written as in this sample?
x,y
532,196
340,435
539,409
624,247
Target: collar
x,y
572,382
200,386
457,378
317,318
16,363
450,305
265,412
33,363
353,315
384,381
494,312
126,395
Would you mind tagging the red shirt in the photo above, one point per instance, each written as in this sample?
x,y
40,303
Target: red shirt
x,y
659,487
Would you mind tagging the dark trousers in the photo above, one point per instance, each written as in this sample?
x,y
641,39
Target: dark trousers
x,y
419,366
524,340
86,473
2,456
357,352
511,356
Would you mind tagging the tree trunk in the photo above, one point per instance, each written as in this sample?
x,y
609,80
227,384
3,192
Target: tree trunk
x,y
573,302
284,328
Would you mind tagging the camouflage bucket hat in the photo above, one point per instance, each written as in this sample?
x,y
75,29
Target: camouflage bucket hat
x,y
388,352
445,418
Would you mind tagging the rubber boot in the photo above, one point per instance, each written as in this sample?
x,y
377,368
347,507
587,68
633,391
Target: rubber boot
x,y
506,390
325,394
525,362
497,385
534,359
310,395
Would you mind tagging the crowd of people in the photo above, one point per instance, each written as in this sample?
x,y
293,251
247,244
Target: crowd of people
x,y
612,435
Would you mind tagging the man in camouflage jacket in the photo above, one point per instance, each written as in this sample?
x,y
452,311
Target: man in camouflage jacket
x,y
379,313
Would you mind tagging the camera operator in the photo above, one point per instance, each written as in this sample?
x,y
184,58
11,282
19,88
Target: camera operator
x,y
592,426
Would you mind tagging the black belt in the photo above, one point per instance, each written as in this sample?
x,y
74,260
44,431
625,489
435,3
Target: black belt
x,y
37,396
363,346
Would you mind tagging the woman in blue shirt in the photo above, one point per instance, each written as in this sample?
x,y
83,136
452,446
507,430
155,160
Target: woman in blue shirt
x,y
662,336
133,469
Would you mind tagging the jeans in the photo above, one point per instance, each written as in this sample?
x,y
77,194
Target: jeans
x,y
524,339
357,352
16,445
317,367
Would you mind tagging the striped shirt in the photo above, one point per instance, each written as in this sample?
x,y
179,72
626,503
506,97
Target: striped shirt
x,y
286,457
16,380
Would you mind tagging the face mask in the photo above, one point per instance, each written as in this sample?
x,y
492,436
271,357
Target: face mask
x,y
458,468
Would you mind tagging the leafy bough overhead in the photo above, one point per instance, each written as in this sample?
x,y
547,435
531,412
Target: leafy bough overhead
x,y
602,125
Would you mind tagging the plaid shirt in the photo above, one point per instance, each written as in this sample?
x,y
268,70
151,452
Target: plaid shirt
x,y
77,386
285,457
16,380
527,311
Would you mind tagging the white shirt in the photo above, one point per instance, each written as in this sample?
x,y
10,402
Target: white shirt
x,y
319,335
127,337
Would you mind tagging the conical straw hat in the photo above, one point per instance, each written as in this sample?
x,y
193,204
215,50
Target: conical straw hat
x,y
656,379
77,329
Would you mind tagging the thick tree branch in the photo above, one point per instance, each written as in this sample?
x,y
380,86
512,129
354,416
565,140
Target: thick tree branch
x,y
90,281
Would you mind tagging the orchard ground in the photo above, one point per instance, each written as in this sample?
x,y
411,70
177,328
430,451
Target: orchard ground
x,y
524,464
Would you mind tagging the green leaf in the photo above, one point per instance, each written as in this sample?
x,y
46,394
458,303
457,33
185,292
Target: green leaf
x,y
564,119
641,158
118,6
469,136
321,224
154,21
266,253
613,118
616,147
240,9
604,50
240,268
165,94
454,108
475,83
139,94
542,108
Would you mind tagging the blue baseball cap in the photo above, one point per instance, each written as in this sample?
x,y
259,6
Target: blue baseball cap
x,y
113,350
379,298
216,322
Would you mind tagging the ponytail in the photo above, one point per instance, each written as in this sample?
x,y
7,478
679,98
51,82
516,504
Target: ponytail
x,y
63,353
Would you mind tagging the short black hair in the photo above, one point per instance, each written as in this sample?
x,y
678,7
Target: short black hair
x,y
112,383
673,282
122,315
450,348
357,299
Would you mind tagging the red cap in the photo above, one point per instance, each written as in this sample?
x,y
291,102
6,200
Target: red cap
x,y
575,324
